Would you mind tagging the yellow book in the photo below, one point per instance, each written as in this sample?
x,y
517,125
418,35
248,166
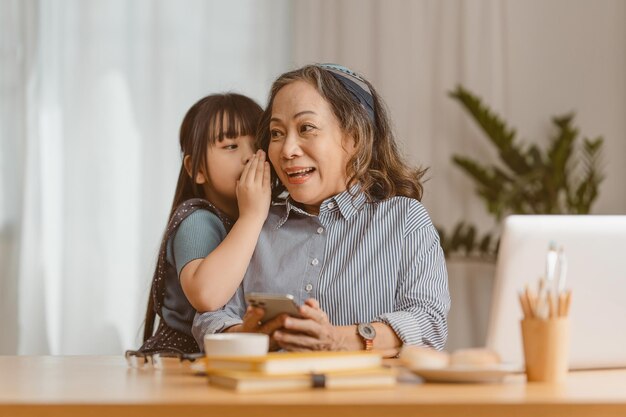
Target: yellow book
x,y
256,382
279,363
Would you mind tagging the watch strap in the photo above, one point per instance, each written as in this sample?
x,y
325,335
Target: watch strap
x,y
367,334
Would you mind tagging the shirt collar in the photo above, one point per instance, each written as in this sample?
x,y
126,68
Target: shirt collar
x,y
348,203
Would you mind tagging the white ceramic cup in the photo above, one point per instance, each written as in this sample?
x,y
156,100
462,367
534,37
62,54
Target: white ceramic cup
x,y
236,344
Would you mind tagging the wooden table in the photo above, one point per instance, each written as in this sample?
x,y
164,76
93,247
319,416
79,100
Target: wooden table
x,y
104,385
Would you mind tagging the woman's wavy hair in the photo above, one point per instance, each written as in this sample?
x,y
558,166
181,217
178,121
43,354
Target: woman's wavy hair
x,y
377,164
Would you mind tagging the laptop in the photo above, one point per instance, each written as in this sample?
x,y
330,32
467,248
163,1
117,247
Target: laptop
x,y
595,248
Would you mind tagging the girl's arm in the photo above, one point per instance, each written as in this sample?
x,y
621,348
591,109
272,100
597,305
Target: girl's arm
x,y
209,283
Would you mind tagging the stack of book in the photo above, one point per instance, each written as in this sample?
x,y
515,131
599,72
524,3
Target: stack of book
x,y
291,371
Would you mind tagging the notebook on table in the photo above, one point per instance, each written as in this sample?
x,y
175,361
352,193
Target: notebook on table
x,y
595,247
279,363
261,382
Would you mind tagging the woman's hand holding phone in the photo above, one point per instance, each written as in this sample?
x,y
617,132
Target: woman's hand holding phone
x,y
310,333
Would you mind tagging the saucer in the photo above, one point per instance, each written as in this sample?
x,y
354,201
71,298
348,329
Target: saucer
x,y
482,374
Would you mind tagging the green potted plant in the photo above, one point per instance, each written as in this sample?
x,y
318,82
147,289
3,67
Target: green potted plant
x,y
563,178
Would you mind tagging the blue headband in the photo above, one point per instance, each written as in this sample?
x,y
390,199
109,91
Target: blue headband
x,y
355,85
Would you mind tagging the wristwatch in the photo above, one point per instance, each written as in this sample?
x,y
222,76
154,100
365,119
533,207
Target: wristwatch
x,y
367,333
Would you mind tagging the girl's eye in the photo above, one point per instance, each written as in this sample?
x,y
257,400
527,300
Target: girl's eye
x,y
230,147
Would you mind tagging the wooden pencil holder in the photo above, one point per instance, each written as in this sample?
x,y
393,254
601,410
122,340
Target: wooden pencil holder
x,y
546,348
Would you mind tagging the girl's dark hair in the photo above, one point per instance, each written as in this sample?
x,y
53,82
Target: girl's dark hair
x,y
211,119
377,163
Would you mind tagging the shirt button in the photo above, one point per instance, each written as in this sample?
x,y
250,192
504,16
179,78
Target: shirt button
x,y
308,287
331,205
315,261
320,230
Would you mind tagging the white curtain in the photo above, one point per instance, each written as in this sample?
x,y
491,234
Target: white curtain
x,y
528,59
92,99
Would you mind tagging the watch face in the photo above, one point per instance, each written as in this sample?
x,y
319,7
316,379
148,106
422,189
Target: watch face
x,y
367,331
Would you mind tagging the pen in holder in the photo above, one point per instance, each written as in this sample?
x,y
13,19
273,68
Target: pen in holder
x,y
545,327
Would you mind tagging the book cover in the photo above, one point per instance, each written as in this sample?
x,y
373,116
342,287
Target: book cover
x,y
255,382
277,363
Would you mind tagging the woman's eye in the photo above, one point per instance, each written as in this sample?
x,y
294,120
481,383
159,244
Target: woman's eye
x,y
230,147
275,133
306,128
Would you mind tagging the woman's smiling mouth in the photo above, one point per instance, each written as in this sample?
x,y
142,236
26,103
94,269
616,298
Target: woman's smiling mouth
x,y
298,175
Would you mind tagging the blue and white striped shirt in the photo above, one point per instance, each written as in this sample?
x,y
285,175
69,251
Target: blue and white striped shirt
x,y
363,261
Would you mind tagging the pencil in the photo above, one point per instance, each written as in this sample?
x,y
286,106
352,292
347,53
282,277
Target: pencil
x,y
530,297
551,305
561,303
525,306
568,302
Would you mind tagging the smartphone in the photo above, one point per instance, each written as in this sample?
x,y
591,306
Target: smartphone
x,y
273,304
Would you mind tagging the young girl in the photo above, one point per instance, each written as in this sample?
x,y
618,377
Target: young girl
x,y
223,187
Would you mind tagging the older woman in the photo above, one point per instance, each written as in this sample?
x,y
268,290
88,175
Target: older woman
x,y
352,242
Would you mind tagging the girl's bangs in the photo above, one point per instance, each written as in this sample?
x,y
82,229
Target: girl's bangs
x,y
231,122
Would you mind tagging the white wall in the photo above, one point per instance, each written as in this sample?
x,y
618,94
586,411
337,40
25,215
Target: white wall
x,y
529,60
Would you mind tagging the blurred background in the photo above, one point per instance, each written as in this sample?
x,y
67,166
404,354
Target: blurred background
x,y
92,93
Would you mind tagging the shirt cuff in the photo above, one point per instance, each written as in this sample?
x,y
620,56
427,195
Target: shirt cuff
x,y
211,323
417,328
404,324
